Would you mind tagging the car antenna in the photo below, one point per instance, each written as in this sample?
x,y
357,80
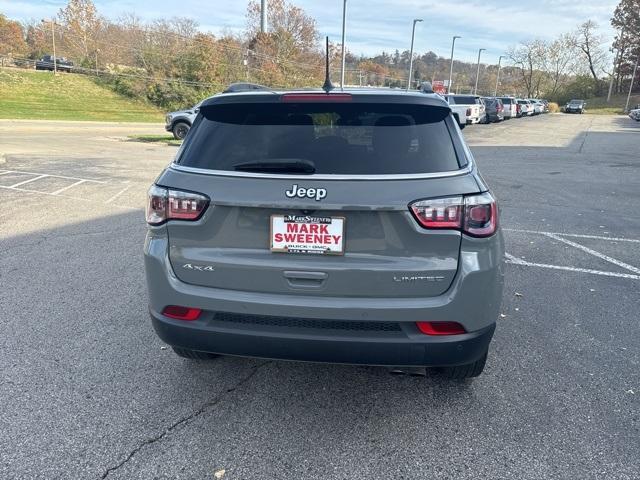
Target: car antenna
x,y
328,86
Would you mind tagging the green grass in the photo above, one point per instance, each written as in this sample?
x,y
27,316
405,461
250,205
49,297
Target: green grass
x,y
32,95
599,105
168,139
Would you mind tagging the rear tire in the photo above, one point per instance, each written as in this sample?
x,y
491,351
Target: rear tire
x,y
194,354
180,130
461,372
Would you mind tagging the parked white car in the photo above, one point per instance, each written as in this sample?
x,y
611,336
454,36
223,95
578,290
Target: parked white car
x,y
538,106
510,107
526,107
635,114
475,109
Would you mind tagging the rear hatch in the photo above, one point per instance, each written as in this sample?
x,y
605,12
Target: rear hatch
x,y
312,197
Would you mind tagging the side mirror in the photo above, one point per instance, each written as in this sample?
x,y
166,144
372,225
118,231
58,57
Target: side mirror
x,y
196,110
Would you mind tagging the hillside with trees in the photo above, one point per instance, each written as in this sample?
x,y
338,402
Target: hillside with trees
x,y
172,63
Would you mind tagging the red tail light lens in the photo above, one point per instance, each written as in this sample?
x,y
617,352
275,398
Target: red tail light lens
x,y
475,215
468,112
439,212
164,204
441,328
480,215
181,313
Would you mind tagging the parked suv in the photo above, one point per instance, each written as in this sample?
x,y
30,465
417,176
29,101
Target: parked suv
x,y
575,106
179,122
510,107
494,109
349,227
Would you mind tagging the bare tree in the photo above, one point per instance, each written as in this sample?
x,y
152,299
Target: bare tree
x,y
560,61
530,58
590,42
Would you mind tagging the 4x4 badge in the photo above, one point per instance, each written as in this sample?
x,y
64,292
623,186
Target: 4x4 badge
x,y
301,192
200,268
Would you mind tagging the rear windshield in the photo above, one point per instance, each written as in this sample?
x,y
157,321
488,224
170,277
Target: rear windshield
x,y
306,138
464,100
506,101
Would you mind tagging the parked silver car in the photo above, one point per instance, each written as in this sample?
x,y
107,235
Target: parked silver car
x,y
348,227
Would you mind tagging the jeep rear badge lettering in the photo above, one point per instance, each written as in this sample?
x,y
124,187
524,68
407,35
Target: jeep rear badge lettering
x,y
301,192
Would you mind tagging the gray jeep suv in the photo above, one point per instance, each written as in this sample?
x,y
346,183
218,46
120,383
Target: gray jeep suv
x,y
348,227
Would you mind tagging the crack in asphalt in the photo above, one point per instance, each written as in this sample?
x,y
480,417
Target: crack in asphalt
x,y
150,441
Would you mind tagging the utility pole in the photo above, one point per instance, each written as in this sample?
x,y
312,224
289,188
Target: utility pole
x,y
495,93
263,16
615,65
453,44
53,41
344,49
633,77
413,35
475,90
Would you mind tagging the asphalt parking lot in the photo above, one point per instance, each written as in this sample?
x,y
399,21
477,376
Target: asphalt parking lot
x,y
88,391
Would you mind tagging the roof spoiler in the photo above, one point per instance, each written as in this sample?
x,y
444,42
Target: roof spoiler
x,y
244,87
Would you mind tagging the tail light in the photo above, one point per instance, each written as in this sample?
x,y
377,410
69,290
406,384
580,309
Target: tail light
x,y
440,328
181,313
165,204
468,112
475,215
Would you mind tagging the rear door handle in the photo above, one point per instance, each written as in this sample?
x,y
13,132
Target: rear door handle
x,y
297,275
310,280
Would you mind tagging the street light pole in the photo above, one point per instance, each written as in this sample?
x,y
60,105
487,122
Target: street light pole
x,y
495,93
475,90
344,50
633,77
453,44
413,36
263,16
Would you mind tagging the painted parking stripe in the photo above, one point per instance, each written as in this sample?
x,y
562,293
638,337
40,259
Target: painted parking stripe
x,y
40,174
590,251
117,194
518,261
40,193
574,235
27,181
63,189
4,173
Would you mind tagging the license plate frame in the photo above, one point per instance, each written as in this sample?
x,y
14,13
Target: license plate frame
x,y
318,227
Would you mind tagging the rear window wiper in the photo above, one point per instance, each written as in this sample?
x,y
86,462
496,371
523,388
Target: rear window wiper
x,y
277,165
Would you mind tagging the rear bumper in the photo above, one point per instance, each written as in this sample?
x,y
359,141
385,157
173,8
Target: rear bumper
x,y
409,349
473,299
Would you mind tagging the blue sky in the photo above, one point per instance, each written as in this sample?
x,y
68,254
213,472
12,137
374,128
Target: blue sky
x,y
375,25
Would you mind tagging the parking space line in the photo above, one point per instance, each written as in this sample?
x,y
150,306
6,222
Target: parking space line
x,y
4,173
41,193
117,194
57,192
574,235
517,261
28,181
602,256
55,176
